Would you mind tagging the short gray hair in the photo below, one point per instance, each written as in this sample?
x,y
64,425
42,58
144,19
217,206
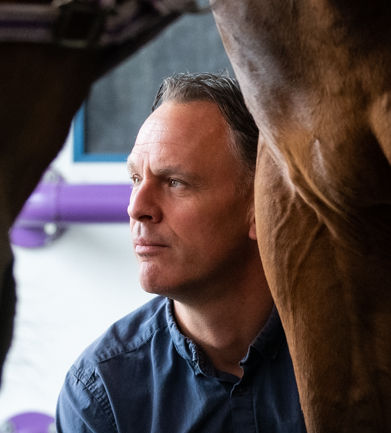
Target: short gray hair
x,y
224,91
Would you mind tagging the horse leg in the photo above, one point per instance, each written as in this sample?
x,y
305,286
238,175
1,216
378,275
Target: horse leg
x,y
41,89
7,298
316,80
334,307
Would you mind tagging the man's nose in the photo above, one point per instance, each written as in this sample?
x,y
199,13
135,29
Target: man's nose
x,y
144,203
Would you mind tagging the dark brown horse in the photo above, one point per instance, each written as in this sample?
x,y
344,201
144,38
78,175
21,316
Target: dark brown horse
x,y
316,75
50,56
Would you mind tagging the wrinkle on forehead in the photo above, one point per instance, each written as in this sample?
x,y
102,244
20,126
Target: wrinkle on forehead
x,y
171,125
205,121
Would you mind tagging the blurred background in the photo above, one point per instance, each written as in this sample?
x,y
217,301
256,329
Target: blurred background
x,y
82,279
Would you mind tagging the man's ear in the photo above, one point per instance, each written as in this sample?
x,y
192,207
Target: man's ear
x,y
252,233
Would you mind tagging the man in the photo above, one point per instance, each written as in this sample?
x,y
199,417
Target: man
x,y
208,354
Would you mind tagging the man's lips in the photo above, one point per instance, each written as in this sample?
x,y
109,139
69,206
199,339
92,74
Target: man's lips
x,y
148,247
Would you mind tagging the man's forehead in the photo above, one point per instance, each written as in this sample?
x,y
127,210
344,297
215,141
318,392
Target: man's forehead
x,y
174,122
155,150
153,129
178,132
158,153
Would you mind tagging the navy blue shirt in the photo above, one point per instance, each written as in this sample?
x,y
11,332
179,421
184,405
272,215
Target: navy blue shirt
x,y
144,376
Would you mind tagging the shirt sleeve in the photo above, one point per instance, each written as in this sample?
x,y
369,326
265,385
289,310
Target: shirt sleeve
x,y
81,407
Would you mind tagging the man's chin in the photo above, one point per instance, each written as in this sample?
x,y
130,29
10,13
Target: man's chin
x,y
157,290
152,282
159,286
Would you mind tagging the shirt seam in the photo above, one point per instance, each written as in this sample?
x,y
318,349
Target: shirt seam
x,y
99,395
125,350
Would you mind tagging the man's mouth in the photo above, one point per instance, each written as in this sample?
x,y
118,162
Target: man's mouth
x,y
148,247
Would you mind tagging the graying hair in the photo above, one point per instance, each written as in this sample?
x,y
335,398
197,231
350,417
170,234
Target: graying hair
x,y
225,92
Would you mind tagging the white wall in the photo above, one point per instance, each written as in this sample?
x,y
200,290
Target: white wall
x,y
69,292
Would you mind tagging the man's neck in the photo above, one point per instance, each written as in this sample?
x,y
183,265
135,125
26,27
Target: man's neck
x,y
225,328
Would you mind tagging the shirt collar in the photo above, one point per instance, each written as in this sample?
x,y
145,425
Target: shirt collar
x,y
267,343
269,340
186,348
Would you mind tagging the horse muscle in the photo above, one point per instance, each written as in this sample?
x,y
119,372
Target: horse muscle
x,y
316,77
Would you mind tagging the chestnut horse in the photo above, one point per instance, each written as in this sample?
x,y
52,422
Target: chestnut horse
x,y
316,75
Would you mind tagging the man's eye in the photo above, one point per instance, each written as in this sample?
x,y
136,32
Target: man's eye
x,y
135,179
174,183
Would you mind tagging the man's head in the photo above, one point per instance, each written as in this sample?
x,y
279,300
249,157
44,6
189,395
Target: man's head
x,y
223,91
192,230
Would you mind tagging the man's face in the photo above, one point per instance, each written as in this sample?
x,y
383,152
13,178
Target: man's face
x,y
190,224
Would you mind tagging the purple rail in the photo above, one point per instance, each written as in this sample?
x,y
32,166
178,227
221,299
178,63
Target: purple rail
x,y
54,205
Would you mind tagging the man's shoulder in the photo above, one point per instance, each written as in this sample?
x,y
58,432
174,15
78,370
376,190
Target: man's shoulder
x,y
127,335
113,370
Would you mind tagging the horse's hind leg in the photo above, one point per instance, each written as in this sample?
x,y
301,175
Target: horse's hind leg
x,y
7,302
41,89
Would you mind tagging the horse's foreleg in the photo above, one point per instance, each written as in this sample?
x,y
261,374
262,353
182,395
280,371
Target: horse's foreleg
x,y
334,305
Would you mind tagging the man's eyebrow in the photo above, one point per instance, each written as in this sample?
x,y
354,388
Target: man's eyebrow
x,y
169,170
130,165
177,170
